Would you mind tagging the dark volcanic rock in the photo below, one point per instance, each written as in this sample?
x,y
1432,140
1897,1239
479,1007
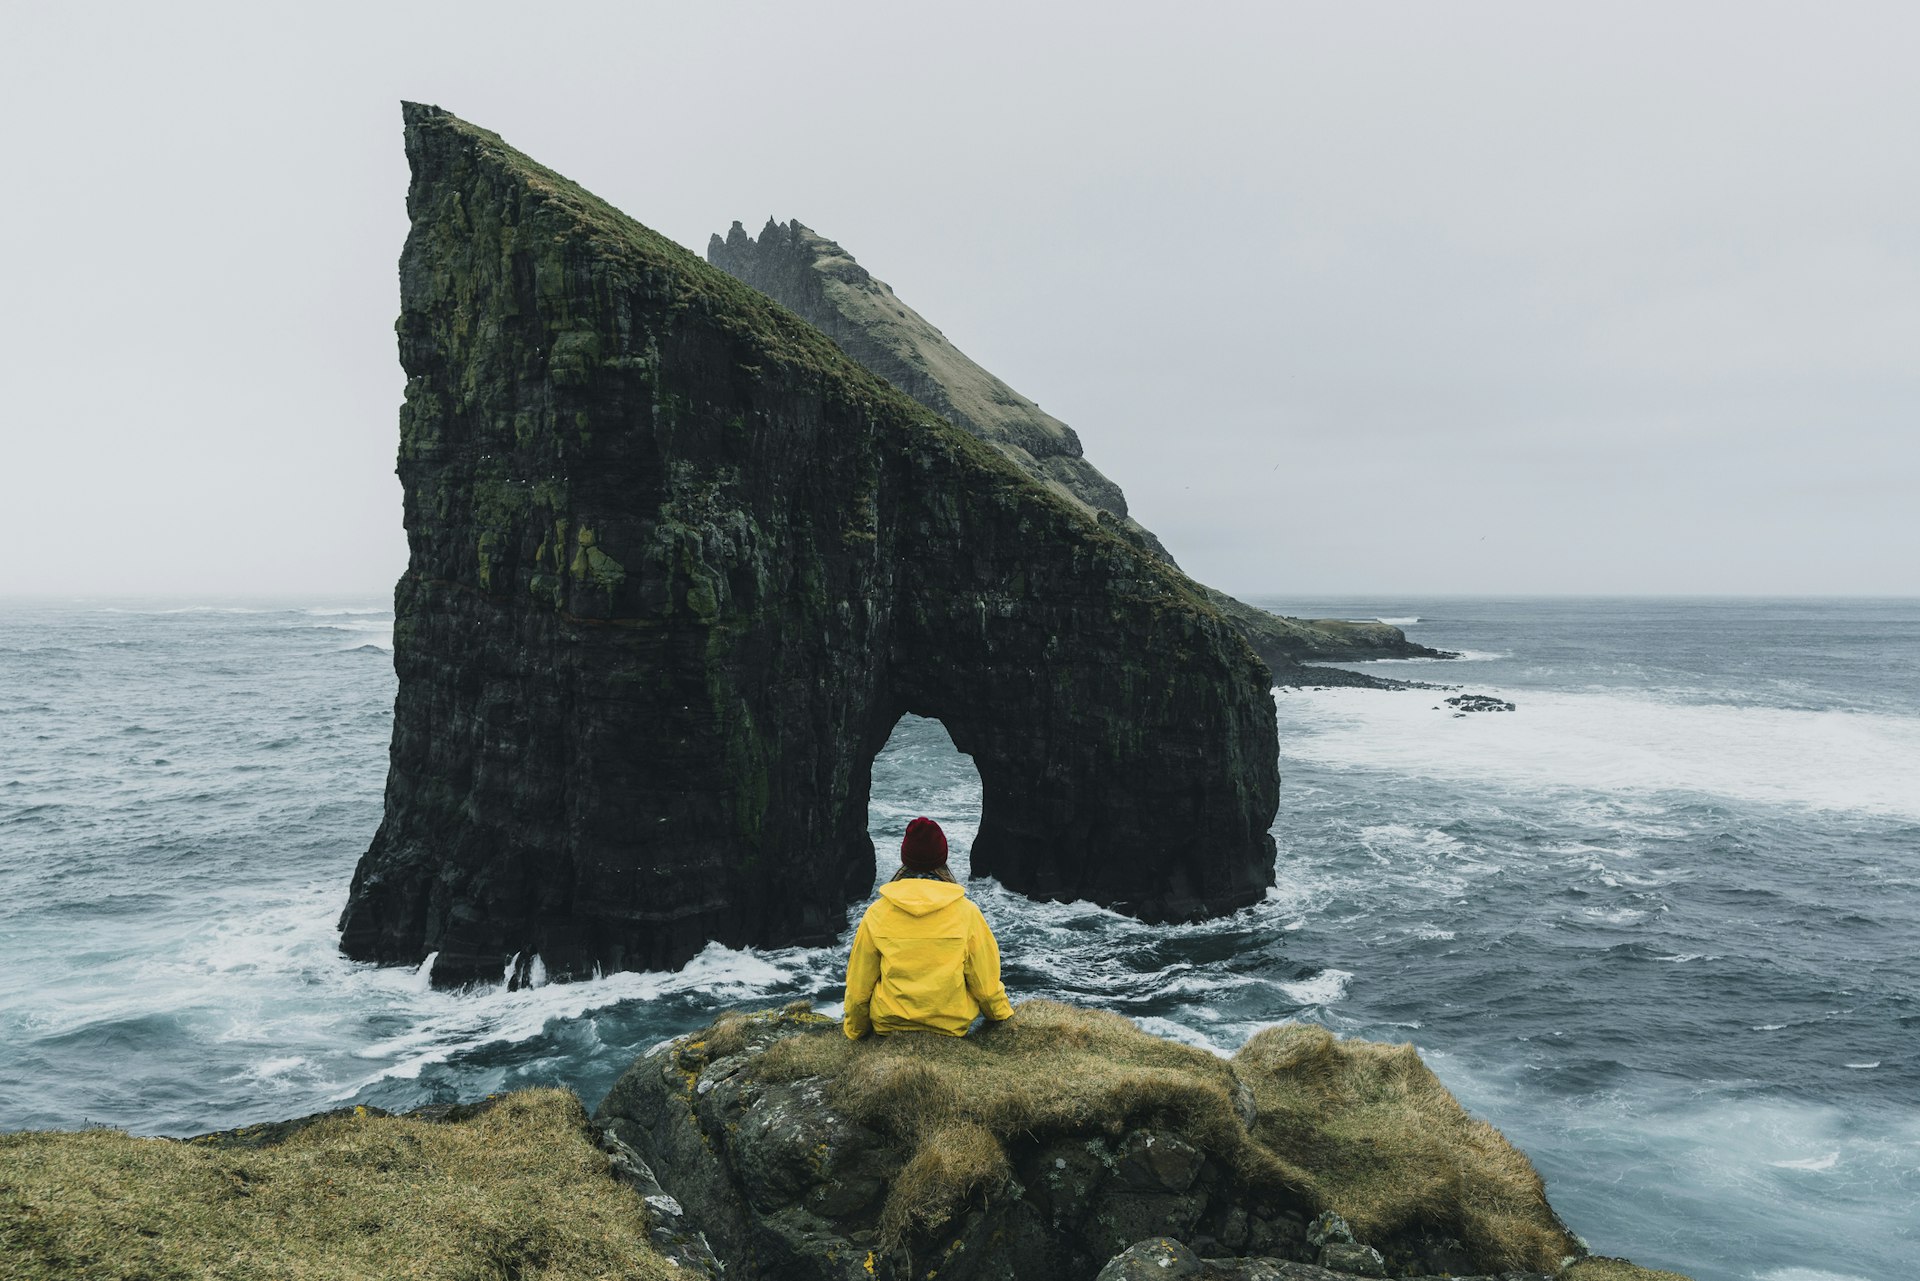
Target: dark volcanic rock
x,y
1464,703
1164,1259
803,270
1155,1259
677,568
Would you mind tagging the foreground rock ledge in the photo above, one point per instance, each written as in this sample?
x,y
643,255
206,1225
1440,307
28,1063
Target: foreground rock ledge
x,y
677,568
1066,1146
1054,1146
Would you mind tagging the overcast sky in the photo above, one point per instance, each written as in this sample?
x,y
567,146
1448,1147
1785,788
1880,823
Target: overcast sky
x,y
1350,298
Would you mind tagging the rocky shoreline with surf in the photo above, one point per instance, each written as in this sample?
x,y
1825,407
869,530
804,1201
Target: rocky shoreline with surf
x,y
1066,1143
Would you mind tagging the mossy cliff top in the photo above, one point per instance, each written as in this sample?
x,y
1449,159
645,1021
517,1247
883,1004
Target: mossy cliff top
x,y
1047,1145
518,1190
1040,1151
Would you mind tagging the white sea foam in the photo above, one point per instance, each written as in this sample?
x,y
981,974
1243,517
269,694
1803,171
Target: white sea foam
x,y
1619,743
1324,988
1182,1033
447,1023
1862,1067
355,628
1618,916
1206,983
1826,1162
1459,656
272,1070
1753,1157
228,978
1400,622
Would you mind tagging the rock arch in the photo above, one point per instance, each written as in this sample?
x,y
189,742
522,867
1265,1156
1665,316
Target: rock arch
x,y
920,770
677,567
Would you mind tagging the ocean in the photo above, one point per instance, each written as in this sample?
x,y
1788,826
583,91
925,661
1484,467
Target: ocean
x,y
1657,924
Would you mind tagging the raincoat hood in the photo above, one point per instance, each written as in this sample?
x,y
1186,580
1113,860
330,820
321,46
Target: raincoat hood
x,y
921,898
923,960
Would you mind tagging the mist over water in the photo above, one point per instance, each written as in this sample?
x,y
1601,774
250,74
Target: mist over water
x,y
1656,924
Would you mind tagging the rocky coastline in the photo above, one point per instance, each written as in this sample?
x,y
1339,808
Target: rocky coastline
x,y
597,761
1066,1145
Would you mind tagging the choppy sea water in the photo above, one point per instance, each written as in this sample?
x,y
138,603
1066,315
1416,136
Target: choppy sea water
x,y
1658,924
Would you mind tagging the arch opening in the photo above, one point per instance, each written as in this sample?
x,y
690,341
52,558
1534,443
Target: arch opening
x,y
920,771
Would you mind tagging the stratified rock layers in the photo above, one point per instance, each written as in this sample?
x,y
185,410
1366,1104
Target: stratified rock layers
x,y
803,270
677,568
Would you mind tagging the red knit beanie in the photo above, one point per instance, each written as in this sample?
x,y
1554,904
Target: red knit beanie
x,y
924,847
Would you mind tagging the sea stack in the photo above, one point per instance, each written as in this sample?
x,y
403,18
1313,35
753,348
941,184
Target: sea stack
x,y
678,566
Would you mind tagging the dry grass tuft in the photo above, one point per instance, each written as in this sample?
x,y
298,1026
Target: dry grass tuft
x,y
1387,1146
517,1191
1601,1268
945,1170
728,1035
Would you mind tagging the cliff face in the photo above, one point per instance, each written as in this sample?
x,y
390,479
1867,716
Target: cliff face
x,y
677,568
813,276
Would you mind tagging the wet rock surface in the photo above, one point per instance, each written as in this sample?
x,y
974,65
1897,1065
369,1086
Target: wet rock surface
x,y
1164,1259
677,1238
1462,704
820,281
678,566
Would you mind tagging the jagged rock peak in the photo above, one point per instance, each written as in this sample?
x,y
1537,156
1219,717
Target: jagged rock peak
x,y
803,270
819,280
677,566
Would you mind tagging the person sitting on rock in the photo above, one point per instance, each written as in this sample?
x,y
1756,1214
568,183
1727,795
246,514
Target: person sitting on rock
x,y
924,959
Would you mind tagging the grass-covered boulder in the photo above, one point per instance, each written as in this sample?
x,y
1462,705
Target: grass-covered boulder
x,y
1047,1146
516,1189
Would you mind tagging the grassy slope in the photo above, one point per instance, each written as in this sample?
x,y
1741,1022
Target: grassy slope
x,y
517,1191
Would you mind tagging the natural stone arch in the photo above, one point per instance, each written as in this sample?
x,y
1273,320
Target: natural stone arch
x,y
677,567
936,761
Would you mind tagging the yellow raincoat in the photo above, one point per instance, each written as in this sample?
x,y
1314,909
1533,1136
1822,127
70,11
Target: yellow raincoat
x,y
923,960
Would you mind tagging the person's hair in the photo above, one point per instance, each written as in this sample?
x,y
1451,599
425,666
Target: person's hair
x,y
941,873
